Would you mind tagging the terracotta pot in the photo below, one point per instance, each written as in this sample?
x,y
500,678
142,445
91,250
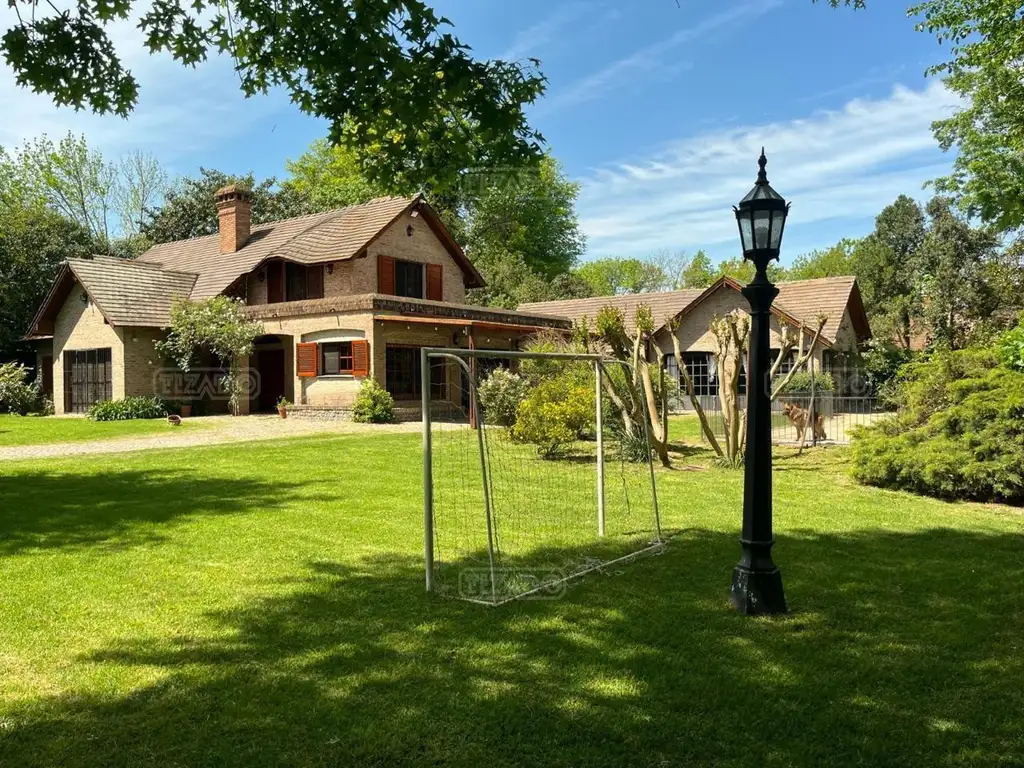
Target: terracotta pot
x,y
186,411
282,412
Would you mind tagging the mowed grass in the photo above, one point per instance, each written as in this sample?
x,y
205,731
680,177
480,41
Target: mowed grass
x,y
39,430
262,604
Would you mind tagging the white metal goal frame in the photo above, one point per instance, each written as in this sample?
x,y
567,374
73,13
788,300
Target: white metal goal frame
x,y
460,356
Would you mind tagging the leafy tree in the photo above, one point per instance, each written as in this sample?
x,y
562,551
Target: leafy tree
x,y
986,46
189,210
33,243
143,182
986,39
698,273
742,271
329,176
530,213
108,199
74,180
888,265
389,75
836,261
610,276
216,325
957,293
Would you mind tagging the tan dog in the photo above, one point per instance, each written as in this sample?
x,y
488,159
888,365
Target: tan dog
x,y
799,417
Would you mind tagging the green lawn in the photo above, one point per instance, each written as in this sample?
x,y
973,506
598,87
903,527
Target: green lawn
x,y
36,430
262,604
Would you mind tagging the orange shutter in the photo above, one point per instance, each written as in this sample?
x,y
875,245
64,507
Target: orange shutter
x,y
360,358
307,357
386,275
435,282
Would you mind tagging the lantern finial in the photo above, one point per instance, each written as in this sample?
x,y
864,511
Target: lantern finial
x,y
762,175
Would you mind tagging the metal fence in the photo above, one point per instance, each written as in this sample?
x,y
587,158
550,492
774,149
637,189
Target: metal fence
x,y
836,417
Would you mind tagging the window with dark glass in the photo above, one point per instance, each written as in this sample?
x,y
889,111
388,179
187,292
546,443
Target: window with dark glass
x,y
788,362
300,282
408,279
336,358
698,365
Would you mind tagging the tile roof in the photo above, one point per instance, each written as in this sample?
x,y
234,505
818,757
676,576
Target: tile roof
x,y
803,300
806,299
130,293
331,236
664,306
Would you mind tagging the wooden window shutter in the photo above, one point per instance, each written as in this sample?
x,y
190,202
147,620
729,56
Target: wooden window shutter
x,y
386,275
307,359
315,281
435,282
360,358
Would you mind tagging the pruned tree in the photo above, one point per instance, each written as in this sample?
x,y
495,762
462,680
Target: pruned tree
x,y
691,392
631,389
789,340
731,333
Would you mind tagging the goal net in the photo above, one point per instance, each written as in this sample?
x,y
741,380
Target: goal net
x,y
531,475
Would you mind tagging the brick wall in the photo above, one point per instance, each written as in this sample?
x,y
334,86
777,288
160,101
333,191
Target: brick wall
x,y
141,361
359,275
334,391
693,332
80,325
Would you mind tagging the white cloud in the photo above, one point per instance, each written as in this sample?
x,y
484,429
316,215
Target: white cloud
x,y
531,40
838,164
180,110
652,57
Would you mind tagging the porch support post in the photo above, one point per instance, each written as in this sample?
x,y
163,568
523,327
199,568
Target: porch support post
x,y
472,383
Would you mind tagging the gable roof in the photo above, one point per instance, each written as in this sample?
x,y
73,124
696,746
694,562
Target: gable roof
x,y
798,303
320,237
141,292
125,292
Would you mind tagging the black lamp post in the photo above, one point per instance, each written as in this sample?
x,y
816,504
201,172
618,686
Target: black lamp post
x,y
756,580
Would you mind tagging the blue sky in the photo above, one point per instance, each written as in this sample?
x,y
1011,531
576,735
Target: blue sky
x,y
658,109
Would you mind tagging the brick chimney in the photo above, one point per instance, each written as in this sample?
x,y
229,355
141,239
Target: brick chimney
x,y
234,209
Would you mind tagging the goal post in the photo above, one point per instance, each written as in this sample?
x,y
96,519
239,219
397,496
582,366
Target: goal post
x,y
534,482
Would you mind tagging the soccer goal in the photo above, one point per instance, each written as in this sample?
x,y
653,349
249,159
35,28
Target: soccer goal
x,y
531,476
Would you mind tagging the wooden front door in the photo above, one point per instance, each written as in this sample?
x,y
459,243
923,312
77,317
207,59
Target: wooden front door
x,y
270,364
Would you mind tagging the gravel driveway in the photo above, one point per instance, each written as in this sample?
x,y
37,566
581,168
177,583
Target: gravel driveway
x,y
216,430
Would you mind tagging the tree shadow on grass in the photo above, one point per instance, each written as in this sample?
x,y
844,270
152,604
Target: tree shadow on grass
x,y
44,510
903,649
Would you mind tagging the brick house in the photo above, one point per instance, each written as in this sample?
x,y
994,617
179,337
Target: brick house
x,y
798,305
342,296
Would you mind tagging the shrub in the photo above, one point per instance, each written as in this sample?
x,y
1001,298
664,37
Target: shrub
x,y
128,408
500,395
374,404
801,383
634,448
17,394
1011,348
959,433
556,413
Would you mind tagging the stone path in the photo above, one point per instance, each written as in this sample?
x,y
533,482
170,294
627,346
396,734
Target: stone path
x,y
214,430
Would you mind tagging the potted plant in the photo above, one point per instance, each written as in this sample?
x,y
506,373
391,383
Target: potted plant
x,y
282,407
186,409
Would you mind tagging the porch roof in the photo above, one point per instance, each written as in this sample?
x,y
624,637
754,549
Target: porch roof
x,y
399,309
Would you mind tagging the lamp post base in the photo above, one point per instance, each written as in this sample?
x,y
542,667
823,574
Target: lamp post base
x,y
758,592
